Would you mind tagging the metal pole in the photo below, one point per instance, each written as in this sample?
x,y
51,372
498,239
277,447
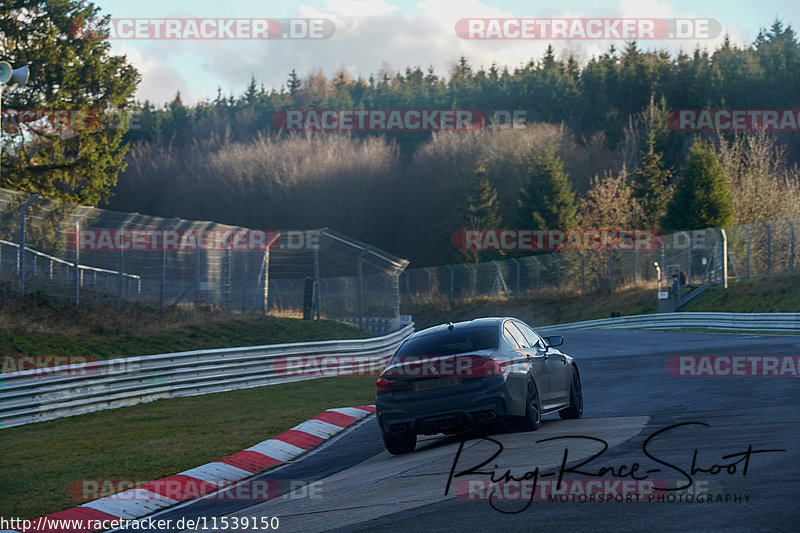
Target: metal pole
x,y
315,298
23,211
724,258
747,229
121,267
583,276
538,273
244,281
360,275
610,276
516,291
791,245
452,281
266,279
558,272
769,246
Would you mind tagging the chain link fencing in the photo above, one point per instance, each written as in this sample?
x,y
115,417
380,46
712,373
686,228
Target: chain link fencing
x,y
755,249
78,252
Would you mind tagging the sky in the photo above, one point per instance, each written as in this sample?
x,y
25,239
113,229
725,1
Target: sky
x,y
373,36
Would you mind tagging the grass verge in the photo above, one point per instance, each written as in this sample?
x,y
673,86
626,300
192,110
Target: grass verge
x,y
36,325
154,440
776,294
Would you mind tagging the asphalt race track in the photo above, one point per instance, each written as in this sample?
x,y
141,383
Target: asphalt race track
x,y
629,396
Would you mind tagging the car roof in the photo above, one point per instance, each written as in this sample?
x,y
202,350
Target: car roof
x,y
478,322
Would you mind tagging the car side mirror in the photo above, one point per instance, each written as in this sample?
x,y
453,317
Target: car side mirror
x,y
554,340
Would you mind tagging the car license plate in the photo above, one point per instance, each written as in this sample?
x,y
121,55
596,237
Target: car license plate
x,y
430,384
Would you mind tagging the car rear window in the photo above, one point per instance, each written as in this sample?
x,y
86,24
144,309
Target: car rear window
x,y
449,342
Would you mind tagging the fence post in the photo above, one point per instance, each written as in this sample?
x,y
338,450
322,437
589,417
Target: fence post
x,y
519,272
23,211
791,244
360,275
636,266
724,258
452,281
244,281
396,292
583,276
474,279
316,296
769,246
265,267
121,267
162,289
538,272
610,275
747,229
558,272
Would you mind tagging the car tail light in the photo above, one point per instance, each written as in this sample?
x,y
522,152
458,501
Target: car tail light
x,y
476,366
384,386
494,368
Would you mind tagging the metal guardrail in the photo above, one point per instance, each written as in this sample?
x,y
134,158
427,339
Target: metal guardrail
x,y
29,396
772,322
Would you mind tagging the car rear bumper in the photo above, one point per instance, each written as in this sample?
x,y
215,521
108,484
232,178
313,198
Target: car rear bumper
x,y
435,415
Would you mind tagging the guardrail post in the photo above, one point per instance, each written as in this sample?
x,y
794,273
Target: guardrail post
x,y
23,212
791,244
769,246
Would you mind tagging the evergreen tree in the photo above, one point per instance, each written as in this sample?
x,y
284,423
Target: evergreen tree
x,y
73,68
702,199
547,201
651,185
482,212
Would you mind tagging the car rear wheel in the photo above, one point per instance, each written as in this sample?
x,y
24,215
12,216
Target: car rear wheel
x,y
399,444
575,409
533,409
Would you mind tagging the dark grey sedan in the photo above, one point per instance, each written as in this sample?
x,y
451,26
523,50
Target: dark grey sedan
x,y
455,376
